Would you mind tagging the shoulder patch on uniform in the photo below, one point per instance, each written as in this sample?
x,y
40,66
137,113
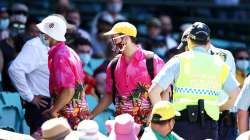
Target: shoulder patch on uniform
x,y
222,55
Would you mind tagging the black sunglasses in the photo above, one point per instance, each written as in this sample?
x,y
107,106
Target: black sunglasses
x,y
243,58
20,13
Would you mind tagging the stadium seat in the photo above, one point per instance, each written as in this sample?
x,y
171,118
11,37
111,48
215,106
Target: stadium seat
x,y
12,113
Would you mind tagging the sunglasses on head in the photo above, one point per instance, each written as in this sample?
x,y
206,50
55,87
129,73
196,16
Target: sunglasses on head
x,y
18,26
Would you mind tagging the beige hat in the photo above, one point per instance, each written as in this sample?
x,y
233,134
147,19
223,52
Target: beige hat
x,y
55,129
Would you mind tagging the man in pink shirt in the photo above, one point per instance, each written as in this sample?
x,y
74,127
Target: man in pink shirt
x,y
130,74
66,74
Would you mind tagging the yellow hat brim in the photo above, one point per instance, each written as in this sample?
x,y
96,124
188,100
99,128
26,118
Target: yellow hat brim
x,y
111,32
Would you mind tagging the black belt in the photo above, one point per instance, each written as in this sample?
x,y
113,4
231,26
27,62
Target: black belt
x,y
227,113
185,116
195,114
195,117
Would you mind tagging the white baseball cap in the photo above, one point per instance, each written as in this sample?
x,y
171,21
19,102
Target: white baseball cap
x,y
54,26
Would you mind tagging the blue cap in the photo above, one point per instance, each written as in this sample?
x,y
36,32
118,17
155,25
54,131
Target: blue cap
x,y
199,32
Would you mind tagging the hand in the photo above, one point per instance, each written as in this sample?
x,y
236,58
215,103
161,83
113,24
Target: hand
x,y
46,113
49,113
91,116
54,114
39,101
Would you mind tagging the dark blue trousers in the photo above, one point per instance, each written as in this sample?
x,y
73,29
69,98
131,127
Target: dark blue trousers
x,y
194,131
228,131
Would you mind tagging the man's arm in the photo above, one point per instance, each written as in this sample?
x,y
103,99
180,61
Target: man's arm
x,y
242,116
26,62
231,88
155,93
243,103
103,104
230,61
19,80
231,100
108,97
64,98
163,79
65,79
166,94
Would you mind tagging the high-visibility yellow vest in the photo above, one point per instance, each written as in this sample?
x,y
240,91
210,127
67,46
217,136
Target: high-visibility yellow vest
x,y
201,77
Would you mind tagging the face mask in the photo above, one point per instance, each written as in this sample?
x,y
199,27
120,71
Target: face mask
x,y
119,44
15,32
160,51
4,24
85,58
77,23
74,22
242,64
44,40
114,7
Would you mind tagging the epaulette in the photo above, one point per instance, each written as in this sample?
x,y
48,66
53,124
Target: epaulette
x,y
222,55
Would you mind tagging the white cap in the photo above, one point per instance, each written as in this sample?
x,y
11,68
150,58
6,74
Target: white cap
x,y
54,26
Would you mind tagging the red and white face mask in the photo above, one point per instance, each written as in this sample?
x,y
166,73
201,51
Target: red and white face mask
x,y
119,43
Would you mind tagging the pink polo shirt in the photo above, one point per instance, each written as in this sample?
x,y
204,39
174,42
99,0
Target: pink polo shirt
x,y
65,68
129,74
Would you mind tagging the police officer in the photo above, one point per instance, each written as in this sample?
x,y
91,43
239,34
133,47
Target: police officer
x,y
227,122
199,79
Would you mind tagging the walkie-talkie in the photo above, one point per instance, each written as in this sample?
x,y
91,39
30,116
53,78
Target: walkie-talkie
x,y
201,111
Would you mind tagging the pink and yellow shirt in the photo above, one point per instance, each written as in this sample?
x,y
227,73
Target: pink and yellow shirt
x,y
66,71
132,82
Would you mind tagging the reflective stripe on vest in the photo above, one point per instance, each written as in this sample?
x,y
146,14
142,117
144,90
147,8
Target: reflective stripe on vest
x,y
201,77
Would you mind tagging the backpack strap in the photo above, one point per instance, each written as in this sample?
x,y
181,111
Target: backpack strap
x,y
113,66
150,64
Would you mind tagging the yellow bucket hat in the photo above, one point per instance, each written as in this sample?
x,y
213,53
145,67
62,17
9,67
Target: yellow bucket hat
x,y
125,28
164,110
